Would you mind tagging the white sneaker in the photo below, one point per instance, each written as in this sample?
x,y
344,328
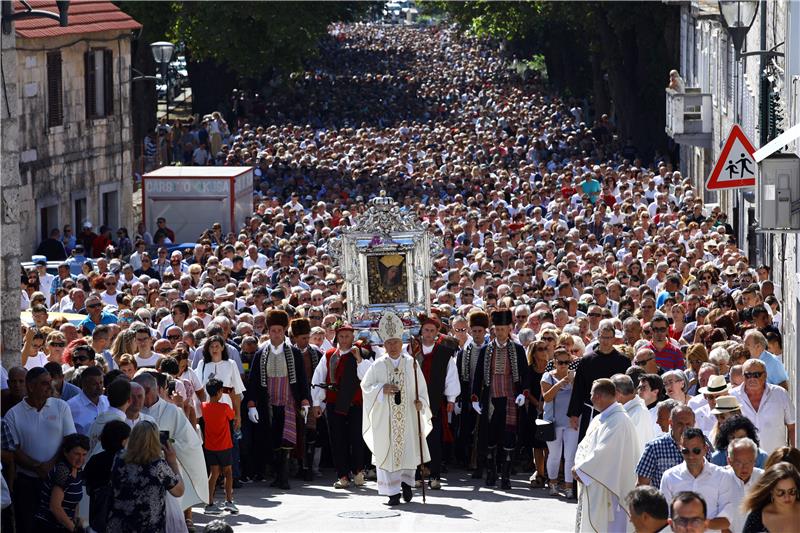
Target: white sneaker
x,y
359,479
436,484
341,483
231,507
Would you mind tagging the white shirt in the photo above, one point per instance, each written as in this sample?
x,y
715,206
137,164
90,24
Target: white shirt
x,y
738,490
712,484
149,362
84,411
260,261
704,420
321,376
191,376
40,359
109,299
39,433
696,402
775,407
227,372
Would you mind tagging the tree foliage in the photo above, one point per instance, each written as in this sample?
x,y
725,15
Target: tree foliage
x,y
617,52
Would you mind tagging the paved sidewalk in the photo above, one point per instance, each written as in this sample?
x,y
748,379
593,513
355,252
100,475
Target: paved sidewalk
x,y
463,505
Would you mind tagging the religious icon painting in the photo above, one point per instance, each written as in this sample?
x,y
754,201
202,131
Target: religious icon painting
x,y
387,278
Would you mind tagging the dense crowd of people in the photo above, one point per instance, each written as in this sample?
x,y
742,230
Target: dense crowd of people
x,y
593,322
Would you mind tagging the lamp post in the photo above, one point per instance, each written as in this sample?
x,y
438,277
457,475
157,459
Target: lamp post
x,y
162,55
738,17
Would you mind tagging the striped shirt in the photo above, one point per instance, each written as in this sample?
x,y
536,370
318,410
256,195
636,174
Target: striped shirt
x,y
60,476
670,357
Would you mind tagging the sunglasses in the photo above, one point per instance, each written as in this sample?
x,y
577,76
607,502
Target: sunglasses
x,y
57,344
315,317
753,375
92,306
780,493
643,362
680,521
595,314
695,451
173,337
562,362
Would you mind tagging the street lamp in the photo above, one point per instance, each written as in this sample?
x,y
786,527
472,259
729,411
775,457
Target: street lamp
x,y
162,55
738,17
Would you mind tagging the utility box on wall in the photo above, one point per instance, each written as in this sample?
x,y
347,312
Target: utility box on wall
x,y
778,194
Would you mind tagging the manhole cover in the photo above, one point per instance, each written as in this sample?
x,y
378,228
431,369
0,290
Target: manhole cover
x,y
368,515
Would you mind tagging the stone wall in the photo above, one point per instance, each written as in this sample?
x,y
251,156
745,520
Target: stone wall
x,y
81,157
10,338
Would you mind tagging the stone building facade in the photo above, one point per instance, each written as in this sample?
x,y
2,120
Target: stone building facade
x,y
709,66
75,134
66,136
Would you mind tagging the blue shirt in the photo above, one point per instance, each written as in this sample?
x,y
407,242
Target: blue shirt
x,y
720,458
592,188
75,263
776,374
105,318
69,391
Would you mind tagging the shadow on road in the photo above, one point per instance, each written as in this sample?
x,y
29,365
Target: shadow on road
x,y
439,509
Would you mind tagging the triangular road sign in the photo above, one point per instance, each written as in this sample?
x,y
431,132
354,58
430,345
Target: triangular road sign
x,y
736,166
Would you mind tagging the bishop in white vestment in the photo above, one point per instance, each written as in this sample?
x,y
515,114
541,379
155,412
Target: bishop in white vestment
x,y
391,428
605,464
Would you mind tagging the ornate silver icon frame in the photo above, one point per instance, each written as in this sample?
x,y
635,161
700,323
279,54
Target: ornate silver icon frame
x,y
386,259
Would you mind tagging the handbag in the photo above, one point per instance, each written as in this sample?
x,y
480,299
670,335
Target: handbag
x,y
544,429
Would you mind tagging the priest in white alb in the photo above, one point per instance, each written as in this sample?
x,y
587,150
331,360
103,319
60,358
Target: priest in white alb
x,y
635,408
188,447
396,409
605,464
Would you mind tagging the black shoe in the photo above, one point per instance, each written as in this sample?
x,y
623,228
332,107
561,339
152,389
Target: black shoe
x,y
308,474
407,492
491,478
258,478
237,484
394,500
505,483
477,473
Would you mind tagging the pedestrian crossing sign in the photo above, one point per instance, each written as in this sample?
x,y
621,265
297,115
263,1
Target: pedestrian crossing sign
x,y
736,166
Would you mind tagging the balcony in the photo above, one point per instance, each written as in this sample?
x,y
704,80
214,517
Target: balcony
x,y
689,117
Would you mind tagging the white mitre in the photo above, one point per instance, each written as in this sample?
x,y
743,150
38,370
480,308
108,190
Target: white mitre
x,y
390,327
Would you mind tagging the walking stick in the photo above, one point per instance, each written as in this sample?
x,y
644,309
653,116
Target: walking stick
x,y
419,429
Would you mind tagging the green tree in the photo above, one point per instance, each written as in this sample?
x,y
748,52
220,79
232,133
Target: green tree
x,y
617,52
230,43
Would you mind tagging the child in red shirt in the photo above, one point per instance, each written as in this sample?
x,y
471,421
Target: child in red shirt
x,y
218,446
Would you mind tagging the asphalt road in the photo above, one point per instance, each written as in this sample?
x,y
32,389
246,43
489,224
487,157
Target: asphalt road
x,y
462,505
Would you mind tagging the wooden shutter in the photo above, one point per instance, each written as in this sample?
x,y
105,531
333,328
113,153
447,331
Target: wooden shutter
x,y
88,62
108,81
55,91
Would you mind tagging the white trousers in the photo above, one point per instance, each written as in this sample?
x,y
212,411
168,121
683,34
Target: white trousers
x,y
566,440
389,482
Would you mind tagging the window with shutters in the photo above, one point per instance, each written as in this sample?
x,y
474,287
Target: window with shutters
x,y
99,82
55,90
